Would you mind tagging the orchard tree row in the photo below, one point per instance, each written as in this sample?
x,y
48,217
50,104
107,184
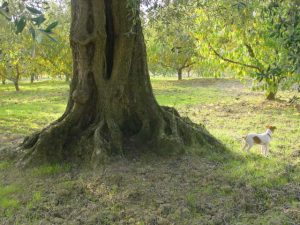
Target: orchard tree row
x,y
241,38
34,41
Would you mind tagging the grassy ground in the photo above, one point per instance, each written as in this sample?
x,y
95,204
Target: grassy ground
x,y
200,188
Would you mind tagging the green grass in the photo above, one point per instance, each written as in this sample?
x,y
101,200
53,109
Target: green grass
x,y
4,165
8,203
49,170
33,107
204,188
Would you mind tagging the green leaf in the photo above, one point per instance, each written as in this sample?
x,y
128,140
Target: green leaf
x,y
46,33
51,26
20,24
38,20
33,10
51,38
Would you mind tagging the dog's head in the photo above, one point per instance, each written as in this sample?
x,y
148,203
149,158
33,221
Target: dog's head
x,y
272,128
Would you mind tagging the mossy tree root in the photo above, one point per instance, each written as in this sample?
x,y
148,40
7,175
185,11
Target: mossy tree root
x,y
167,135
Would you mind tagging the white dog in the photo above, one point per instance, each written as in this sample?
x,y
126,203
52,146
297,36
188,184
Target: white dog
x,y
261,139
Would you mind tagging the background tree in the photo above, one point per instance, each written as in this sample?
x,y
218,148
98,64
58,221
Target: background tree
x,y
19,48
284,24
2,71
57,54
169,38
237,34
15,54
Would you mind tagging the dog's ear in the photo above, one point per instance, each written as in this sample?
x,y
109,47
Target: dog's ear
x,y
274,127
268,126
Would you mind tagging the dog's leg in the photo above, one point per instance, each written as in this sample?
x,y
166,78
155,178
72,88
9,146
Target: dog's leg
x,y
245,146
249,147
262,149
266,150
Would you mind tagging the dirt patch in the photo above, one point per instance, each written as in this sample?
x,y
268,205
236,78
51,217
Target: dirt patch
x,y
10,140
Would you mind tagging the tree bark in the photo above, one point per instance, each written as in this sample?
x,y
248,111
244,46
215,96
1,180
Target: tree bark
x,y
189,71
179,74
111,108
271,96
272,88
32,76
16,80
16,84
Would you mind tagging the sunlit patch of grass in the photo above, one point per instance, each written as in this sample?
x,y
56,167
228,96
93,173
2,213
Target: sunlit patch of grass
x,y
178,93
7,201
36,198
32,108
49,170
259,172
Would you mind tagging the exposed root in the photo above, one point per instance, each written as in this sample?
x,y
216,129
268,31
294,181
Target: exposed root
x,y
168,135
186,133
99,154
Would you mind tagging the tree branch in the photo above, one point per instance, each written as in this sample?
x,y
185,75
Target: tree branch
x,y
232,61
188,65
165,65
250,50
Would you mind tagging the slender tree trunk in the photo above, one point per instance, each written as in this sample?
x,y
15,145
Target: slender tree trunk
x,y
3,80
179,74
32,76
16,84
16,80
272,88
111,109
189,72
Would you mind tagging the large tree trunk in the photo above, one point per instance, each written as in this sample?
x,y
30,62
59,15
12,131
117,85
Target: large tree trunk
x,y
111,109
